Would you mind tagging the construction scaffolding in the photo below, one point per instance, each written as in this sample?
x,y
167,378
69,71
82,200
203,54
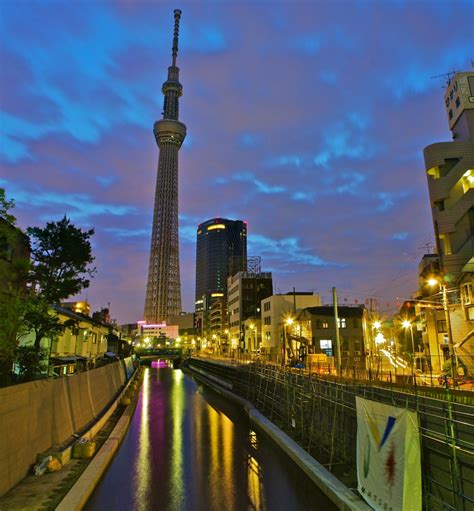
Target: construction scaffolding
x,y
320,414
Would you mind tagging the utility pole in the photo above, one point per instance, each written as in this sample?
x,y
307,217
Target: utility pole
x,y
336,325
452,349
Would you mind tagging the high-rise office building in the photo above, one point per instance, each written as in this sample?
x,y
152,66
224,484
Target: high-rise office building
x,y
163,293
221,251
450,171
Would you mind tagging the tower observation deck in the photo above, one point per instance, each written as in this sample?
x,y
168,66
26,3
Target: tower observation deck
x,y
163,292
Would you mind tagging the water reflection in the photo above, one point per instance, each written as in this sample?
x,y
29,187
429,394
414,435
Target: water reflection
x,y
178,404
189,449
142,467
256,492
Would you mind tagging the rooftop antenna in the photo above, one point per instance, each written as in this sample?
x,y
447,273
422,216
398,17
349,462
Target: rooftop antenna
x,y
448,76
177,17
427,246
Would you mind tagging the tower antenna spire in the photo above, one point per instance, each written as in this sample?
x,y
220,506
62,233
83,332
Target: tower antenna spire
x,y
177,17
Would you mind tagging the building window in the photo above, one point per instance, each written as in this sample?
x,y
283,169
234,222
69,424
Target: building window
x,y
441,326
266,306
467,180
457,102
325,323
267,320
342,322
467,294
451,114
326,345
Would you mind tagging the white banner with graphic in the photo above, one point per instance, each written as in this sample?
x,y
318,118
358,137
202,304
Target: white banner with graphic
x,y
388,456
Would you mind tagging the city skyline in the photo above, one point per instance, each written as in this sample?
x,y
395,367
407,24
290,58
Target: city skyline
x,y
303,122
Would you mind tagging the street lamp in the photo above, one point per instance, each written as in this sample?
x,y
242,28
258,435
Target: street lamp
x,y
226,331
288,322
253,327
375,351
452,349
407,324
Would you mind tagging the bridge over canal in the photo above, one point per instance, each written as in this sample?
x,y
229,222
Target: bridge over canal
x,y
148,355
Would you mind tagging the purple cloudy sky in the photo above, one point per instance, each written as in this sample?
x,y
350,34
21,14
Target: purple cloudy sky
x,y
307,119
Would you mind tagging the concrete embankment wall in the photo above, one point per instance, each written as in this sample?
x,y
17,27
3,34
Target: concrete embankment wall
x,y
38,415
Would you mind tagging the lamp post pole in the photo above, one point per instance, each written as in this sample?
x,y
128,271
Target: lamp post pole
x,y
413,355
338,340
452,349
408,324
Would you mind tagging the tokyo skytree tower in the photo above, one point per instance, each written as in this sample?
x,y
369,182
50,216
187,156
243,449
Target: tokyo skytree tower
x,y
163,292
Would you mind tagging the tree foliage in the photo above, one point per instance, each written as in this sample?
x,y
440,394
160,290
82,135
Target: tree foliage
x,y
41,319
29,360
14,268
61,256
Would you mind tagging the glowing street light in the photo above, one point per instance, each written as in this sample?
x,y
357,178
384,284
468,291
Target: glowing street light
x,y
288,322
377,324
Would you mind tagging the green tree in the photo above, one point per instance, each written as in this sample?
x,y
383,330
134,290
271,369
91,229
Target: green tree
x,y
41,319
14,293
61,256
29,360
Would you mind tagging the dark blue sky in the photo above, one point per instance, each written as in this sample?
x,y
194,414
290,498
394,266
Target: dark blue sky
x,y
306,119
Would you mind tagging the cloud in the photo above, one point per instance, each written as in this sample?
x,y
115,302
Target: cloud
x,y
75,205
249,177
123,233
400,236
105,181
303,196
286,251
387,200
250,140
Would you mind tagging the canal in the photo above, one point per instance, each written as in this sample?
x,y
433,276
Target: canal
x,y
188,448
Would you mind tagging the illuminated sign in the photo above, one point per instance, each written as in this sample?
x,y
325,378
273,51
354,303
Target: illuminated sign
x,y
216,226
213,295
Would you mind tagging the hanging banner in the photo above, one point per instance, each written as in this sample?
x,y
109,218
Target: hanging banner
x,y
388,456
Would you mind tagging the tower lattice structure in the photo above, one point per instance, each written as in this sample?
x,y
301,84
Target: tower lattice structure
x,y
163,293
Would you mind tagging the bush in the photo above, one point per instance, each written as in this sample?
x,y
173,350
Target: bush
x,y
28,359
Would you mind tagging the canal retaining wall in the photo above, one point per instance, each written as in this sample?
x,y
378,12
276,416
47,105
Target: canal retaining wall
x,y
38,415
320,415
334,489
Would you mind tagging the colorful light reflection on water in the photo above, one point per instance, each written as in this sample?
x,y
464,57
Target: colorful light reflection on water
x,y
159,364
188,449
